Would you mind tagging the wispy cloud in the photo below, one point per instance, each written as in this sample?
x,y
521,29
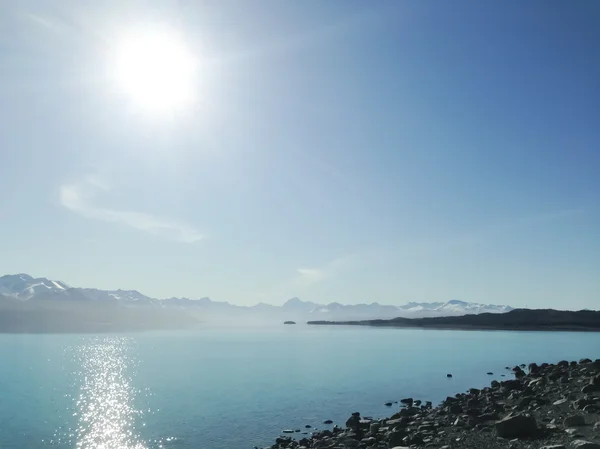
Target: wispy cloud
x,y
79,198
302,280
309,276
51,24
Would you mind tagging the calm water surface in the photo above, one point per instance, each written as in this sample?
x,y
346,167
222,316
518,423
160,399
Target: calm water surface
x,y
234,389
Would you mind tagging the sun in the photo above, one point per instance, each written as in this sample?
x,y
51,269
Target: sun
x,y
154,68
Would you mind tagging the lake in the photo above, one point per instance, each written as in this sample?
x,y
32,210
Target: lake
x,y
238,388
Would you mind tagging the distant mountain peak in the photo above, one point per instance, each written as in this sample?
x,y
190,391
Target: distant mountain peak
x,y
23,276
23,287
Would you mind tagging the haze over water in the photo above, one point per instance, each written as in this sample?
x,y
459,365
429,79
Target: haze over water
x,y
228,388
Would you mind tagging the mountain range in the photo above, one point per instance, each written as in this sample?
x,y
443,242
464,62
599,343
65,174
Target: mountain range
x,y
23,288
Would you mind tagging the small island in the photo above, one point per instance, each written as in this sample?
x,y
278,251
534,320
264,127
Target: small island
x,y
289,322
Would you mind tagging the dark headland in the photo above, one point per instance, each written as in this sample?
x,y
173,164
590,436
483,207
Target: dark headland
x,y
518,319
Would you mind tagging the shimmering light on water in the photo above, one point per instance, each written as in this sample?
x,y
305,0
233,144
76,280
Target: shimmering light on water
x,y
106,414
238,388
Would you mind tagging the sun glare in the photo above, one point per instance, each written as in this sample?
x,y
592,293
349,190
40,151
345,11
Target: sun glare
x,y
155,69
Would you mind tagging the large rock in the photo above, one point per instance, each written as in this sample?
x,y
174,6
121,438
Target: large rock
x,y
582,402
374,427
516,426
353,421
407,401
455,409
574,421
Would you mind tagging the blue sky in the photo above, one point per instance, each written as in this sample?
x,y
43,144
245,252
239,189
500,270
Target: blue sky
x,y
336,151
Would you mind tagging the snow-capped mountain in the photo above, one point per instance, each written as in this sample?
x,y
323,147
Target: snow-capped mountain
x,y
22,287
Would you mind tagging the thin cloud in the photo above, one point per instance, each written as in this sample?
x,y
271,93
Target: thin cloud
x,y
46,22
303,279
79,198
309,276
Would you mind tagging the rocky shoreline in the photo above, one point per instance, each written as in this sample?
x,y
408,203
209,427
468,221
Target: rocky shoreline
x,y
550,406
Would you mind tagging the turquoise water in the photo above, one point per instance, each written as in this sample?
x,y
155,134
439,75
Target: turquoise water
x,y
219,388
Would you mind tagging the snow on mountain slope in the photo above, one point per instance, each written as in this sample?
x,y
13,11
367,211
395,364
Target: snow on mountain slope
x,y
24,287
462,308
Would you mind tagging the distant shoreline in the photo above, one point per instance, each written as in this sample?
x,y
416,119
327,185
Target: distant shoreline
x,y
515,320
454,328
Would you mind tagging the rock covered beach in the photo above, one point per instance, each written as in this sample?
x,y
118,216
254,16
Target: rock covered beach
x,y
552,406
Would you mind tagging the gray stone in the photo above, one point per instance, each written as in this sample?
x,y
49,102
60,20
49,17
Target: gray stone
x,y
581,403
455,409
582,444
351,442
397,438
574,421
459,423
407,401
400,422
516,426
354,420
590,389
370,441
488,417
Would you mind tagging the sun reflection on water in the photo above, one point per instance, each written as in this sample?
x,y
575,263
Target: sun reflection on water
x,y
105,407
